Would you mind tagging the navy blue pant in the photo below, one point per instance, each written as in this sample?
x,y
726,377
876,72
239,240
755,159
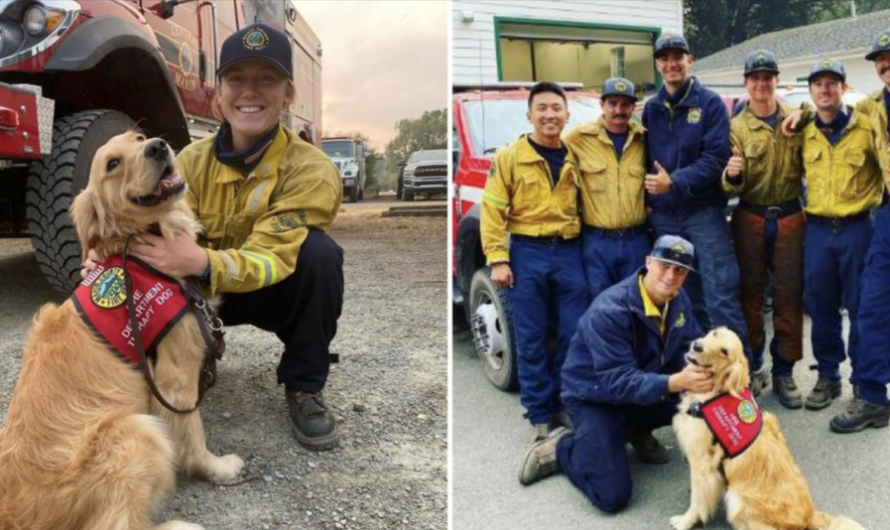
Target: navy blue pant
x,y
834,257
715,290
609,259
545,277
594,456
302,310
871,367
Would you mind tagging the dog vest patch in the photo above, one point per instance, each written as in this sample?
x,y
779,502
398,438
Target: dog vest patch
x,y
735,422
101,300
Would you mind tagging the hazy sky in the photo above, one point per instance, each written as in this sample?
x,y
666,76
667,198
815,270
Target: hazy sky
x,y
382,61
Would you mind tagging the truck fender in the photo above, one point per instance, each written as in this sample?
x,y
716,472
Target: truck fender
x,y
95,39
468,253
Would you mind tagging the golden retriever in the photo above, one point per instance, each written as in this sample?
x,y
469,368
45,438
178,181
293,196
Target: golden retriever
x,y
85,445
763,487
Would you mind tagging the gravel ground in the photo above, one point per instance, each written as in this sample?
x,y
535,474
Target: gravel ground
x,y
389,392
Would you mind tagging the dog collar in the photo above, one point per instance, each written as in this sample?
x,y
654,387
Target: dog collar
x,y
735,421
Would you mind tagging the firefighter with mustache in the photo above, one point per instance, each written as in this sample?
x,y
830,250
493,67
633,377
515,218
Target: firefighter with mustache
x,y
612,158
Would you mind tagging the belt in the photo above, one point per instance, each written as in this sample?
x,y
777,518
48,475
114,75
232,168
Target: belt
x,y
544,240
772,212
836,222
616,233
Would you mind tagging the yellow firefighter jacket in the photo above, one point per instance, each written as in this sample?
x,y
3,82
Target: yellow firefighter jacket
x,y
773,172
254,226
842,179
520,198
612,191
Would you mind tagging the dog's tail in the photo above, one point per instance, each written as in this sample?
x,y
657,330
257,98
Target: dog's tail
x,y
823,521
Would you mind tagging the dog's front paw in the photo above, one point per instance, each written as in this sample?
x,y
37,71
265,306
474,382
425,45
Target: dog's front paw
x,y
682,522
224,468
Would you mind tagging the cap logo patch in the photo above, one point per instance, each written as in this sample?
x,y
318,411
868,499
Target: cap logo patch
x,y
761,60
256,40
620,87
827,63
884,40
694,115
678,247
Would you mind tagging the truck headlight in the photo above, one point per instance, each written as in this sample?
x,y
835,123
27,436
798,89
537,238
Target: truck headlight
x,y
30,27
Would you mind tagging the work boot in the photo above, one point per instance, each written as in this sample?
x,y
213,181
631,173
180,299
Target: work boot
x,y
313,425
786,390
649,450
561,419
859,415
759,381
823,393
540,431
540,461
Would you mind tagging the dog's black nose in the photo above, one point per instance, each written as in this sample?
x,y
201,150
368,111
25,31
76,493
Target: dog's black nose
x,y
156,149
697,347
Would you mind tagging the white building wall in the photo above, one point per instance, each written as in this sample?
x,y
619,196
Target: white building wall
x,y
473,43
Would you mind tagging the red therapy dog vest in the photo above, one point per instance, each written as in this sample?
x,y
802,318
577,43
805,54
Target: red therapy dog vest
x,y
735,422
101,300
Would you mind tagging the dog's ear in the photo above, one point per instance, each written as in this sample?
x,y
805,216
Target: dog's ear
x,y
734,379
89,220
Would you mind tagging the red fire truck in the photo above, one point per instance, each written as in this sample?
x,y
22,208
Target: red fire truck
x,y
486,119
74,73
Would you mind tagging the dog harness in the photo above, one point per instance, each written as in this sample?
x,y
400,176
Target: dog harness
x,y
735,421
101,301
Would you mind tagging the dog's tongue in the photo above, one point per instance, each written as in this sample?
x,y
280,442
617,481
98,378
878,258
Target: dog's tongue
x,y
167,182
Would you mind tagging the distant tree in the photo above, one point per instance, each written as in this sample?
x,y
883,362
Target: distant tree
x,y
712,25
430,131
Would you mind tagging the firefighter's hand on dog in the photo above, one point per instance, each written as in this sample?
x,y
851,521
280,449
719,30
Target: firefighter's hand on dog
x,y
691,379
736,163
178,257
90,264
502,275
660,182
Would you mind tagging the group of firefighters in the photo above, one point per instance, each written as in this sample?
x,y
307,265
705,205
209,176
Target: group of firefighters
x,y
568,224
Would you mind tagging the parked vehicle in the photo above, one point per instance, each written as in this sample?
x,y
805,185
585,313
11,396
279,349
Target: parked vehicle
x,y
424,172
349,156
486,119
74,73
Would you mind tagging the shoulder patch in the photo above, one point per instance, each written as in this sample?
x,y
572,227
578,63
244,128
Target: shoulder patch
x,y
288,221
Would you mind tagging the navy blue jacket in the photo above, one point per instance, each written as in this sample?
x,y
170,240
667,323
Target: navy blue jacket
x,y
618,354
691,142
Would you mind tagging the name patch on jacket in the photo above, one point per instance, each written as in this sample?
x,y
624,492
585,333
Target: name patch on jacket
x,y
101,300
735,422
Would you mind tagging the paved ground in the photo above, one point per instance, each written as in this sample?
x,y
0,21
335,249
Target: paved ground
x,y
847,474
389,392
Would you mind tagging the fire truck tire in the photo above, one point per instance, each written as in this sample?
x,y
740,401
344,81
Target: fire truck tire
x,y
491,324
353,193
54,181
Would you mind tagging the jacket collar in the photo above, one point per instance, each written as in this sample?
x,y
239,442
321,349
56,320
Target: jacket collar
x,y
526,154
268,166
690,99
855,122
753,122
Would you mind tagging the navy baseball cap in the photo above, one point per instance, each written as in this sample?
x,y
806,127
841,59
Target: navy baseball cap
x,y
618,86
827,66
880,45
761,61
674,249
258,41
670,41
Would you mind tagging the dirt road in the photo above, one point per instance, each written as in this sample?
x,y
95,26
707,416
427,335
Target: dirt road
x,y
389,392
